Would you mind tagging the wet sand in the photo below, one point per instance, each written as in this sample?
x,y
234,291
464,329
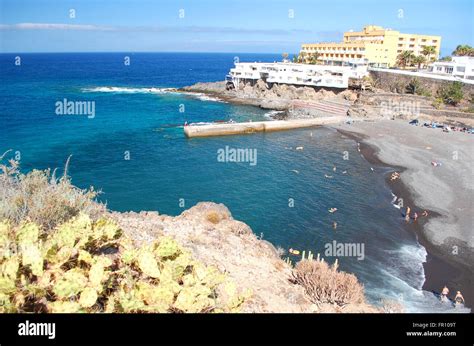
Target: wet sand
x,y
444,191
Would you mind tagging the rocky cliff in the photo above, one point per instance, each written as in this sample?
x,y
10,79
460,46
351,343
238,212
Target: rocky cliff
x,y
293,101
215,238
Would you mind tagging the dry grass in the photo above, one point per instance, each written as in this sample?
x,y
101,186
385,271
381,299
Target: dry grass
x,y
324,284
279,265
280,251
213,217
391,306
42,198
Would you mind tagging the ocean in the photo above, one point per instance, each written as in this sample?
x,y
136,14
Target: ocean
x,y
133,149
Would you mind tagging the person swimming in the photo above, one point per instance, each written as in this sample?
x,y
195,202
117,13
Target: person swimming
x,y
293,251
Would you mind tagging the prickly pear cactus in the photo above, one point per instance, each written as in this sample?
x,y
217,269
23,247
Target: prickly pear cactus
x,y
148,264
66,270
167,247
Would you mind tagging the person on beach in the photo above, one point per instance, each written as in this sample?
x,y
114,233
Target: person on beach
x,y
424,213
407,214
459,299
415,216
334,225
444,293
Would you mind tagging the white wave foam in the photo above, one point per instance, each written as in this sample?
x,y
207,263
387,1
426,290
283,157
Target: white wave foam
x,y
110,89
416,252
127,90
271,114
204,97
409,261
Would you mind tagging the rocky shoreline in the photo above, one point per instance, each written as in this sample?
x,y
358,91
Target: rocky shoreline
x,y
294,102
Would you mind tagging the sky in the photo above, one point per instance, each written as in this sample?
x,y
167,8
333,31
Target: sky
x,y
258,26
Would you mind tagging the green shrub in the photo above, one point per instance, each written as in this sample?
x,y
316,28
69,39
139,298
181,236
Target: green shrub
x,y
413,86
90,266
452,94
416,88
437,103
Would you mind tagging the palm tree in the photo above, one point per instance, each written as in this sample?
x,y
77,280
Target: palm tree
x,y
419,60
313,58
428,52
302,58
446,58
405,58
463,50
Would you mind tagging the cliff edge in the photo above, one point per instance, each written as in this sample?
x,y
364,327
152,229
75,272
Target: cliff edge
x,y
215,238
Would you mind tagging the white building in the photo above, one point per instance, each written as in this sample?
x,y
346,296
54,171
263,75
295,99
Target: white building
x,y
296,74
460,67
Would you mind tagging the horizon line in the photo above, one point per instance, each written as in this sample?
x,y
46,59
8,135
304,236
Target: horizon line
x,y
132,52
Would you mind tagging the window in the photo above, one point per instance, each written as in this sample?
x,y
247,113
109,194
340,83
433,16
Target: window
x,y
449,69
461,69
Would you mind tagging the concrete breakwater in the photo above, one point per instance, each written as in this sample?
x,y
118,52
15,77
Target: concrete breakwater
x,y
260,126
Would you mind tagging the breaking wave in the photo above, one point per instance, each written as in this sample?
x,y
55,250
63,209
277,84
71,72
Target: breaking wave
x,y
109,89
159,91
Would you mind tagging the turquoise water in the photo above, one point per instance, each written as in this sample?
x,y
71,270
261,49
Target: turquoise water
x,y
134,150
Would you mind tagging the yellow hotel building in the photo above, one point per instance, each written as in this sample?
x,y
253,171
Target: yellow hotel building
x,y
375,45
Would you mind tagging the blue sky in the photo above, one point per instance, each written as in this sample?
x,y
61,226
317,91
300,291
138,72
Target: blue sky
x,y
219,25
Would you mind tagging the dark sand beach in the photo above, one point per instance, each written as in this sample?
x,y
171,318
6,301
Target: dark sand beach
x,y
410,150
